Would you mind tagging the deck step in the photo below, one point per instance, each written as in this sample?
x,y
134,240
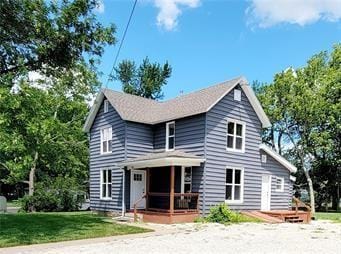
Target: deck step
x,y
294,220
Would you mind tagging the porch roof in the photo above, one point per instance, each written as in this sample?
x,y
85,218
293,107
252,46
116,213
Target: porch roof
x,y
161,159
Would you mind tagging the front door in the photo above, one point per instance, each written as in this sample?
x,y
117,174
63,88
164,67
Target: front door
x,y
266,192
137,190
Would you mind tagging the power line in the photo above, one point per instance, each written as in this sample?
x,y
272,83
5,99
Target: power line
x,y
121,43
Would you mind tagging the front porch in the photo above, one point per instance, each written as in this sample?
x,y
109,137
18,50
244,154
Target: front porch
x,y
161,187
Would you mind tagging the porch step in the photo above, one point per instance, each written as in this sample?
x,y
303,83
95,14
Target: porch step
x,y
262,216
294,220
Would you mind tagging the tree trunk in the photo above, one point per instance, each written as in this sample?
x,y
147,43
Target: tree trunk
x,y
32,175
311,191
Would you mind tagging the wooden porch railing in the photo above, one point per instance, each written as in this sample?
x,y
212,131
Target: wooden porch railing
x,y
301,203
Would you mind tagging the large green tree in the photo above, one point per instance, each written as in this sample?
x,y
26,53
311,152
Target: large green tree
x,y
49,37
304,106
146,80
49,51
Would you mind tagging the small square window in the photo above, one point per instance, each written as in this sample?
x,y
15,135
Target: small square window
x,y
106,106
264,158
237,95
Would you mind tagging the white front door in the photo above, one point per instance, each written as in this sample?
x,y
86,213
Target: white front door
x,y
137,188
266,192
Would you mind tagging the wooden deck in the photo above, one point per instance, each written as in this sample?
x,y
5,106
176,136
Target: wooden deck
x,y
280,216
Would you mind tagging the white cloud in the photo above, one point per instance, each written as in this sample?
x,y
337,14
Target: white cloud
x,y
100,6
170,10
266,13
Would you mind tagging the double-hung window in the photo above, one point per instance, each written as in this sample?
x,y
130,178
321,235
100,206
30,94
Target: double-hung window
x,y
235,136
106,140
234,185
279,187
106,106
106,184
170,136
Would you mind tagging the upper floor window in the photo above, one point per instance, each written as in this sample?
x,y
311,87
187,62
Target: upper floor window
x,y
106,106
235,136
279,184
234,185
106,184
170,136
106,140
237,94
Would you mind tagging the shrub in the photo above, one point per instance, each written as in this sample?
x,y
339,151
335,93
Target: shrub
x,y
221,214
61,194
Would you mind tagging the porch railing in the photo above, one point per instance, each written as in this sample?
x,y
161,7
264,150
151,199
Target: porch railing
x,y
183,202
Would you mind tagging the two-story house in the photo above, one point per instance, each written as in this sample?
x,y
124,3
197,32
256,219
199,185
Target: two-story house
x,y
177,158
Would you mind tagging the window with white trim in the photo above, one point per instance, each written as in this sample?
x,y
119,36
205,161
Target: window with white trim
x,y
106,140
264,158
106,184
237,94
170,136
235,140
279,184
106,106
234,185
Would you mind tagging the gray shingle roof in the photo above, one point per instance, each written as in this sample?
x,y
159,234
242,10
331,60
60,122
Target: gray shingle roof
x,y
138,109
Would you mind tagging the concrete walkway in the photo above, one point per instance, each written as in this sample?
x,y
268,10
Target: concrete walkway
x,y
317,237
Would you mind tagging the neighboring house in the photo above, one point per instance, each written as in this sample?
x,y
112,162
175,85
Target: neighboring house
x,y
186,154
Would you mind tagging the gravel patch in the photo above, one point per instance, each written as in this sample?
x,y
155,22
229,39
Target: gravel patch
x,y
317,237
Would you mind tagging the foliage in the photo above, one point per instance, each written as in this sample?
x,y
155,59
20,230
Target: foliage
x,y
304,106
49,37
23,229
61,194
146,80
222,214
335,217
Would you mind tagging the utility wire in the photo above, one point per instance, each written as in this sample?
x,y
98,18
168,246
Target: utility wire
x,y
121,43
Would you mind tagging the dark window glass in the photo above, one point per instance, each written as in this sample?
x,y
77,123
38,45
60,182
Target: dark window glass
x,y
239,143
230,128
171,129
187,188
228,193
170,142
104,191
229,141
229,173
109,176
104,144
109,190
237,175
236,192
109,145
239,129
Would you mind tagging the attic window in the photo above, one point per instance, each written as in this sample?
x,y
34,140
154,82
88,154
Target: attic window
x,y
237,95
170,136
106,106
264,158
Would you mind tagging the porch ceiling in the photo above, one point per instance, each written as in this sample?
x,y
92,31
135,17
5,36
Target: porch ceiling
x,y
170,158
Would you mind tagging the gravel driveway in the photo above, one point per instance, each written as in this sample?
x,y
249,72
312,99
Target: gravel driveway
x,y
317,237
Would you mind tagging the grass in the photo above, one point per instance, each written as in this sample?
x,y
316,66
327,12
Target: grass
x,y
23,229
239,218
335,217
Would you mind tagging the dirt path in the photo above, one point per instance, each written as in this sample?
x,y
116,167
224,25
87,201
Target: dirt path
x,y
317,237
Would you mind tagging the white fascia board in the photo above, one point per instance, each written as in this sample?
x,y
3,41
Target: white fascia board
x,y
93,112
278,158
293,178
188,162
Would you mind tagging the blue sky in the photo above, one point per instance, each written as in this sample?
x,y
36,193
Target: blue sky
x,y
207,42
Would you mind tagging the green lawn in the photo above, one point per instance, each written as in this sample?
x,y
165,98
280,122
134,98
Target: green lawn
x,y
336,217
22,229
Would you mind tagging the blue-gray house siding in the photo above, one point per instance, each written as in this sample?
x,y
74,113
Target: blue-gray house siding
x,y
107,161
203,135
218,158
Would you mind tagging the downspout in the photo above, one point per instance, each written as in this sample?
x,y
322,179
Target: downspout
x,y
123,192
205,155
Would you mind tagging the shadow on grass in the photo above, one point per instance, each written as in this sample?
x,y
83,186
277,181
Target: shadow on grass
x,y
20,229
